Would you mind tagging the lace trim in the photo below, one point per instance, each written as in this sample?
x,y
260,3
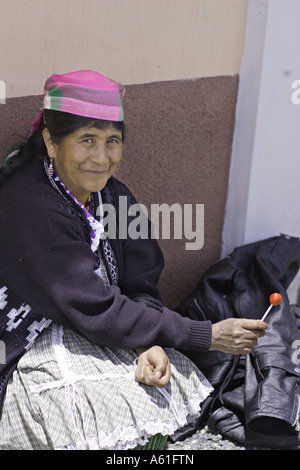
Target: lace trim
x,y
138,434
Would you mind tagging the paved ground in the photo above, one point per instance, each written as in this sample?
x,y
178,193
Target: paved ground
x,y
204,439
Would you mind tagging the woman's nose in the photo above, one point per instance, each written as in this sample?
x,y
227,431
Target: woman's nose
x,y
100,154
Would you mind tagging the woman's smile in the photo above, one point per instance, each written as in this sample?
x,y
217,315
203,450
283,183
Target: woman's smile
x,y
96,172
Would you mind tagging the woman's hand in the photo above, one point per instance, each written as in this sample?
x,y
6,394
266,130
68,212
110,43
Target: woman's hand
x,y
236,335
153,367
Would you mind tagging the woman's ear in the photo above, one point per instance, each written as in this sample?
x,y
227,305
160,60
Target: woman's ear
x,y
49,143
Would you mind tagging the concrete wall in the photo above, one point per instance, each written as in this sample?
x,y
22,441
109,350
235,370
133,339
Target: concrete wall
x,y
264,189
133,41
180,63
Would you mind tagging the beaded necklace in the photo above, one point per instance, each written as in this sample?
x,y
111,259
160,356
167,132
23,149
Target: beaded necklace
x,y
97,227
88,204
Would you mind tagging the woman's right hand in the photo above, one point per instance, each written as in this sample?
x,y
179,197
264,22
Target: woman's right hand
x,y
236,335
153,367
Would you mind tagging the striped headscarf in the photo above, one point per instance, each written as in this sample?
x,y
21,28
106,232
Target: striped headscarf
x,y
84,93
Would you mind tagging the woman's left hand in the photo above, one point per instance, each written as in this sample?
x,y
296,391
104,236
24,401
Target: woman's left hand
x,y
153,367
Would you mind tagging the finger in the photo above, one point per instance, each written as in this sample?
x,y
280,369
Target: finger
x,y
245,344
246,348
259,333
144,374
157,374
161,369
160,363
155,377
253,334
249,324
149,376
162,372
167,374
246,351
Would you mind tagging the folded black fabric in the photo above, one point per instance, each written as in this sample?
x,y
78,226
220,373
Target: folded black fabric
x,y
256,399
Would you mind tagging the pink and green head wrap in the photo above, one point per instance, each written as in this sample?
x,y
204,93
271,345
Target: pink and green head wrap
x,y
84,93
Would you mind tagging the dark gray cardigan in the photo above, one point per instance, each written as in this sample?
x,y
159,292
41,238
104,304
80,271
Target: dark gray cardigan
x,y
47,274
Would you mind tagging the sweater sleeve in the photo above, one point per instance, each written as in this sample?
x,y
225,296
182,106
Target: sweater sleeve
x,y
59,283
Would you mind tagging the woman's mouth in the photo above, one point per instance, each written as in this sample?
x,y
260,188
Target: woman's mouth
x,y
96,172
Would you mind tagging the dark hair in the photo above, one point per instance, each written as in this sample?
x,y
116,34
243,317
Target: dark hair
x,y
60,125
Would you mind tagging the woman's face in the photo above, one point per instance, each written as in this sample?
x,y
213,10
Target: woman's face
x,y
86,159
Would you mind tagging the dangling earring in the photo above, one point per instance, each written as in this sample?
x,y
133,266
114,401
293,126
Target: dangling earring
x,y
50,168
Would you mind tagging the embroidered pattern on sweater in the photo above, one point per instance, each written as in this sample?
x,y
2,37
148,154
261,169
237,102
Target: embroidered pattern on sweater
x,y
20,325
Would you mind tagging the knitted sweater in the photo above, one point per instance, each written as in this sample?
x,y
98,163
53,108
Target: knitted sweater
x,y
47,274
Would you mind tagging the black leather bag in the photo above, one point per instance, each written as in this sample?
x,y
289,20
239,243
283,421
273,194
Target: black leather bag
x,y
256,397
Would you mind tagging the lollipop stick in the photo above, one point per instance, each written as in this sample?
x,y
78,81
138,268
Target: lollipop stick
x,y
266,312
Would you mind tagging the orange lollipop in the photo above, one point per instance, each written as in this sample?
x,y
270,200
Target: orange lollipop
x,y
275,299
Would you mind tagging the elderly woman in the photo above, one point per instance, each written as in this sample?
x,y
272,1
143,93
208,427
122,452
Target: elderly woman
x,y
91,360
